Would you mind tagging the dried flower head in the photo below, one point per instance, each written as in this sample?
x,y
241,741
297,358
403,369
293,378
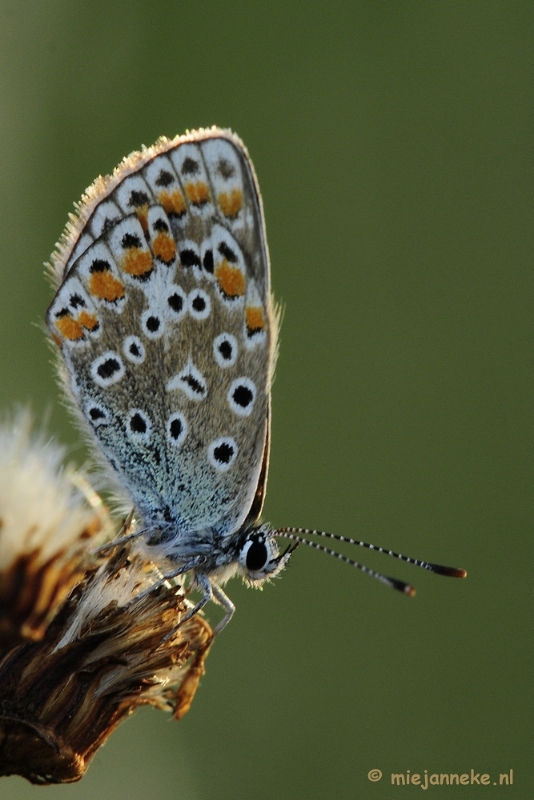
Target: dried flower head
x,y
45,524
87,638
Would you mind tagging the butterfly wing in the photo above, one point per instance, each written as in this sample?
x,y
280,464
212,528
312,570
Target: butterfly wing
x,y
165,323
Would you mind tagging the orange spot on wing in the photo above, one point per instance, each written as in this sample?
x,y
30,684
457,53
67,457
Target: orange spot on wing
x,y
197,193
137,262
164,247
69,328
254,319
231,203
142,216
105,286
87,320
230,279
173,203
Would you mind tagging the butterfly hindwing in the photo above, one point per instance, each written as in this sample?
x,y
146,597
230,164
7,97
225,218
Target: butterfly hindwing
x,y
165,324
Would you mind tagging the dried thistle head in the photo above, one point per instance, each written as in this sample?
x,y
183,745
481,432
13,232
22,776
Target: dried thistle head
x,y
45,525
87,639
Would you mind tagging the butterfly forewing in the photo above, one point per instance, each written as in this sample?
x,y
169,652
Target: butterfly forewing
x,y
165,324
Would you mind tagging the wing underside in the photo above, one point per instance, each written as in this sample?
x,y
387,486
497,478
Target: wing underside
x,y
165,323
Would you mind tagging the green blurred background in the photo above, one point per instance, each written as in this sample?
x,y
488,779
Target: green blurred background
x,y
392,143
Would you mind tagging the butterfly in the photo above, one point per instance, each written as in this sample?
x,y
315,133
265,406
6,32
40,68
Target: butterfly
x,y
167,331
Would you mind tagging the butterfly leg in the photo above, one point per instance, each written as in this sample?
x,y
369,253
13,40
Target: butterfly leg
x,y
211,592
164,579
119,542
222,598
203,583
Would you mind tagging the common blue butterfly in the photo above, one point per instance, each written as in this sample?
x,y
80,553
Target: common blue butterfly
x,y
168,335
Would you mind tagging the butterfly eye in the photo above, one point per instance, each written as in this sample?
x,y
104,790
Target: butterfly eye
x,y
256,556
259,557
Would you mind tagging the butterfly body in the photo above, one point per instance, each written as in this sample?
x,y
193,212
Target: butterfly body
x,y
166,326
167,329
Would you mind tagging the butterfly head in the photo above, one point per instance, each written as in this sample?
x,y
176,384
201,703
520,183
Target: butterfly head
x,y
259,556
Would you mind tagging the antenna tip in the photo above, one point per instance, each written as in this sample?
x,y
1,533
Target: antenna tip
x,y
449,572
456,572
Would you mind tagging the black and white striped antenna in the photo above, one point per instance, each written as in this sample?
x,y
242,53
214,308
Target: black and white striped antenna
x,y
298,535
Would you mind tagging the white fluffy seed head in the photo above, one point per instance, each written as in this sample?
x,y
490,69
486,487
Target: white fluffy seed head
x,y
108,589
43,510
